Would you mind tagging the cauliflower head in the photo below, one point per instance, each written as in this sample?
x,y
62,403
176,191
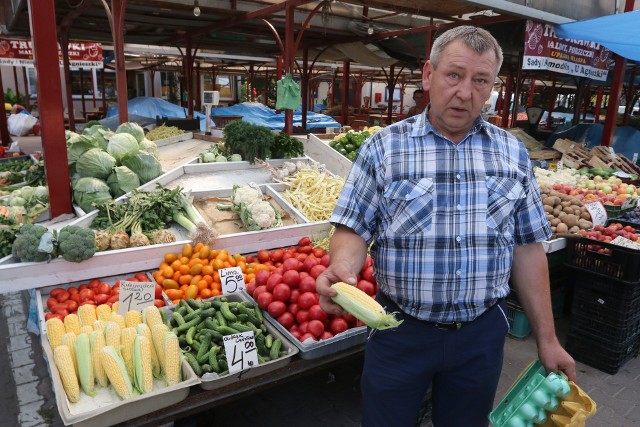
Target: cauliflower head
x,y
245,194
76,243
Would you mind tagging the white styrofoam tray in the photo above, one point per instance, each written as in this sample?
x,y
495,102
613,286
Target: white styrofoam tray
x,y
554,245
173,139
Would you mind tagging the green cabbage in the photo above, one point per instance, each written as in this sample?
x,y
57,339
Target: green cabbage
x,y
99,135
122,145
144,165
78,148
150,147
132,129
122,180
87,191
95,163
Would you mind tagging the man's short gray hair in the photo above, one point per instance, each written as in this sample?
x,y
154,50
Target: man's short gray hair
x,y
478,39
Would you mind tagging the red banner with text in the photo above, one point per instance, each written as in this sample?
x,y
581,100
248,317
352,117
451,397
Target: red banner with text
x,y
19,53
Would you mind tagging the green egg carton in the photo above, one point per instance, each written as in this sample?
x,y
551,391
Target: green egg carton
x,y
527,402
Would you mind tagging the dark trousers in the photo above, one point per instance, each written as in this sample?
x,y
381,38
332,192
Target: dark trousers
x,y
462,366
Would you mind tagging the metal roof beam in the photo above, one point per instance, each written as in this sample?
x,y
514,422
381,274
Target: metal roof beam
x,y
507,7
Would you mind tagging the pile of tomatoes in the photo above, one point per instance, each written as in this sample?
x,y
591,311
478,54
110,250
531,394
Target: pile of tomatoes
x,y
287,290
63,301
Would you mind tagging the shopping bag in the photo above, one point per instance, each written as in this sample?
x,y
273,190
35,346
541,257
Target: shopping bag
x,y
21,124
288,96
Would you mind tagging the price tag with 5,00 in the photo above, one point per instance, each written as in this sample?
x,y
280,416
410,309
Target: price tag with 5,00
x,y
241,351
598,213
135,296
231,279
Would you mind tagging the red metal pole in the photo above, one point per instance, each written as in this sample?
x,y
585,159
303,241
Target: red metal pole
x,y
118,11
345,92
104,93
391,84
506,103
551,103
93,87
4,130
596,113
305,87
26,88
15,83
532,91
45,53
289,58
64,47
84,107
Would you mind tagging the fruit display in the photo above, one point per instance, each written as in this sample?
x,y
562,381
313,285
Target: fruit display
x,y
348,143
565,212
608,234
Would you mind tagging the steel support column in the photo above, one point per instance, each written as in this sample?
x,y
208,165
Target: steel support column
x,y
391,84
45,53
4,129
305,88
116,21
25,81
290,55
596,113
64,47
84,107
506,103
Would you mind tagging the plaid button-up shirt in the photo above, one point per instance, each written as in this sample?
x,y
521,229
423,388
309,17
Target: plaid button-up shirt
x,y
444,217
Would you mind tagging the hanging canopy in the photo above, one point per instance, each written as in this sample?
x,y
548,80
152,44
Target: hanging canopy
x,y
619,33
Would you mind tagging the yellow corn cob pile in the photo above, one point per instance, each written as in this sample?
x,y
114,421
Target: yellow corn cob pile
x,y
112,335
55,331
97,344
144,330
119,319
86,329
172,359
103,312
99,325
85,364
143,371
127,336
157,334
151,316
64,362
69,339
72,323
87,314
132,318
114,307
116,371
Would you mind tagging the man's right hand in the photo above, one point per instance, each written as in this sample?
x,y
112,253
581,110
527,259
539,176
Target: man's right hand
x,y
336,272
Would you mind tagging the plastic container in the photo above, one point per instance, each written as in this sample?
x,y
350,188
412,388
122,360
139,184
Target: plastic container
x,y
604,356
519,326
621,263
618,211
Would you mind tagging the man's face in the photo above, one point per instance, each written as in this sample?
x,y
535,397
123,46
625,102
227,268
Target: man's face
x,y
417,97
458,88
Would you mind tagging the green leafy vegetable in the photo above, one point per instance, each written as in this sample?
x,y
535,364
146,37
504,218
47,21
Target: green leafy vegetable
x,y
248,140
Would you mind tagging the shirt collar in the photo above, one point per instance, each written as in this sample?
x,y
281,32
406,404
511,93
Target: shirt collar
x,y
423,126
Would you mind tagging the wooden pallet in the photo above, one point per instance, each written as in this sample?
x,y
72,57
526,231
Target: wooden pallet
x,y
601,158
567,146
545,154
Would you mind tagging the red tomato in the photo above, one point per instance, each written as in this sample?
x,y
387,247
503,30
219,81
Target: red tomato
x,y
276,309
63,296
273,280
281,292
73,290
103,288
258,291
318,252
368,262
276,255
301,258
264,255
291,264
72,306
62,312
87,294
75,297
325,335
315,327
350,318
264,299
367,274
132,279
58,306
317,313
158,302
158,292
286,255
54,292
305,249
302,316
291,278
88,302
304,241
94,283
142,277
83,286
52,315
317,270
112,299
306,300
325,260
250,287
338,325
309,263
297,335
261,277
295,294
302,328
293,308
307,284
366,287
286,319
307,336
101,298
51,302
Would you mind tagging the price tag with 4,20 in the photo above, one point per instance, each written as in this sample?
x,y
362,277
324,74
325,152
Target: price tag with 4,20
x,y
598,213
135,296
231,279
241,351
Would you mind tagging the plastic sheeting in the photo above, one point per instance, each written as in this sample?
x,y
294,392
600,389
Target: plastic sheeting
x,y
626,140
143,110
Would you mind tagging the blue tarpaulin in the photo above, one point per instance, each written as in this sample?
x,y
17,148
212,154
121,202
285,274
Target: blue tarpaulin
x,y
619,33
147,108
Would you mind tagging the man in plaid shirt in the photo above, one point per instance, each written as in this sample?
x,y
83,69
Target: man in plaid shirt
x,y
453,210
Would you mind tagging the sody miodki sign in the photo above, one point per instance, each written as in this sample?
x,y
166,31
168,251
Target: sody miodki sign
x,y
19,53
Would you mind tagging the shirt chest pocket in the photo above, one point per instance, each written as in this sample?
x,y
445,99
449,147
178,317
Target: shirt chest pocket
x,y
409,206
503,196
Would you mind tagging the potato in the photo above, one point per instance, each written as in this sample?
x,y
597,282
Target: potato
x,y
557,211
555,221
568,210
550,217
577,211
585,224
553,229
565,203
571,220
562,228
586,215
574,230
548,209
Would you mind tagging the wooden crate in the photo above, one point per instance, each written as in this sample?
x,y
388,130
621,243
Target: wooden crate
x,y
602,159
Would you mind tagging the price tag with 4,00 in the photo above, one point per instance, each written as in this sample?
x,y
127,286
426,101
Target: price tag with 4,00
x,y
598,213
135,296
231,279
241,351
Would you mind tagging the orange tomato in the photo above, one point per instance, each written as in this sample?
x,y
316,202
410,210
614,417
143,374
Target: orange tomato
x,y
213,253
176,275
223,255
169,258
184,269
195,269
204,252
187,250
216,277
194,261
176,265
216,286
242,265
207,269
191,292
169,284
264,255
176,301
226,264
216,292
173,294
167,272
208,278
201,285
162,265
249,277
184,260
217,264
232,261
185,280
206,293
195,279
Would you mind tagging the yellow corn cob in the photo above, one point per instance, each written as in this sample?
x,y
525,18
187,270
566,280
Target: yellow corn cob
x,y
69,339
127,336
157,334
151,316
132,318
64,362
116,371
119,319
97,343
86,329
55,331
144,330
85,364
143,371
363,307
87,314
72,323
99,325
114,307
103,312
172,359
112,335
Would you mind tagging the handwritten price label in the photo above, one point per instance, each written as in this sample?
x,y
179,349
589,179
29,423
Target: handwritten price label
x,y
231,279
135,296
628,203
598,213
241,351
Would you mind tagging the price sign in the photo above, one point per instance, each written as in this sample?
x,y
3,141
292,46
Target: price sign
x,y
598,213
559,166
628,202
241,351
621,241
231,279
612,152
621,174
135,296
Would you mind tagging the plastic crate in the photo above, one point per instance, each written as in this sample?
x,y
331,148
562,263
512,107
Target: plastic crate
x,y
519,326
621,263
604,332
556,259
599,302
603,356
557,302
618,211
605,285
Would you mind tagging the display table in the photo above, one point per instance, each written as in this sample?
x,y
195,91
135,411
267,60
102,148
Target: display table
x,y
201,400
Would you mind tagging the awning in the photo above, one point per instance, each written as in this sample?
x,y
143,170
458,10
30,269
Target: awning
x,y
619,33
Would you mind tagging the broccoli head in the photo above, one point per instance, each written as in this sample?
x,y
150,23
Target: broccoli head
x,y
76,243
25,246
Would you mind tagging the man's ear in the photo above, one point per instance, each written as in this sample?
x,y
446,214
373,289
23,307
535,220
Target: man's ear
x,y
426,76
